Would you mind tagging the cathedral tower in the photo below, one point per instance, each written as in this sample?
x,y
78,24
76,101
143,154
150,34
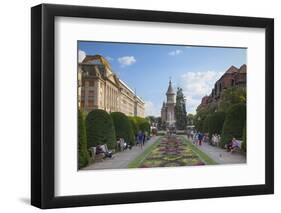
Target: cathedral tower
x,y
168,108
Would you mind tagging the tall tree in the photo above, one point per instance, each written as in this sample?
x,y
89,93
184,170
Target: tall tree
x,y
190,119
180,110
231,96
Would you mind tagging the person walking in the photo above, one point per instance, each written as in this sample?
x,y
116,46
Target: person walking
x,y
140,139
200,138
144,138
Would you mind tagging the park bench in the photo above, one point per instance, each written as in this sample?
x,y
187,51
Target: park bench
x,y
95,156
105,153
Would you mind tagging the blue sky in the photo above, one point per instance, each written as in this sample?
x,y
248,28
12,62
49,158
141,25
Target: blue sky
x,y
148,67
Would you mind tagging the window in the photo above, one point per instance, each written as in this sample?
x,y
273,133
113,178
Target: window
x,y
91,83
216,88
90,103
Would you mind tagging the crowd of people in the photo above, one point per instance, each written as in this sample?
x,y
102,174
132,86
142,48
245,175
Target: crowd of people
x,y
199,137
140,139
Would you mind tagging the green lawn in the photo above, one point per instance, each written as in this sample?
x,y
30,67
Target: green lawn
x,y
138,160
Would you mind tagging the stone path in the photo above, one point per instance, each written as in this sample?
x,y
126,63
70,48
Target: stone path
x,y
221,156
121,159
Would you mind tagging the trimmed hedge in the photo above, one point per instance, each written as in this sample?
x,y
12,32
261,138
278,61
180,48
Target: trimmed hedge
x,y
216,121
83,153
234,123
123,127
145,127
100,129
134,124
143,124
244,143
206,124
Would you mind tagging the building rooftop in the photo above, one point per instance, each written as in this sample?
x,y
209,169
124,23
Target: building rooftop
x,y
96,59
231,70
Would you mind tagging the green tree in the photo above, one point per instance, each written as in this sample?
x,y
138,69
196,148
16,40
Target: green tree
x,y
199,119
143,124
83,153
234,123
123,127
216,121
180,110
134,124
159,123
190,119
152,119
206,124
145,127
231,96
100,129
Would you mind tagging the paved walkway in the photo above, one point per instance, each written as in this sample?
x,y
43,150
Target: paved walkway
x,y
221,156
121,159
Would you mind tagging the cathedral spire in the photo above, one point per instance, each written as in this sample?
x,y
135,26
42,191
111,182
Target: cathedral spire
x,y
170,90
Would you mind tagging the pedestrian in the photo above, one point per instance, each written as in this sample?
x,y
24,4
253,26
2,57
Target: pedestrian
x,y
140,139
195,139
200,138
143,138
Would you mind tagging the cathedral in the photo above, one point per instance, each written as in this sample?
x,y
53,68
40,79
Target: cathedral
x,y
168,108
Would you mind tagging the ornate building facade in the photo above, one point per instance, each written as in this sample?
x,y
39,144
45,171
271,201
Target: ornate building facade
x,y
168,108
233,77
100,88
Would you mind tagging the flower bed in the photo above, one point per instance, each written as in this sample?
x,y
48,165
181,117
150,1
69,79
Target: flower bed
x,y
171,152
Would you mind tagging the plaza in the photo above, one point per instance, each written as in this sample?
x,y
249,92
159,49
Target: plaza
x,y
171,155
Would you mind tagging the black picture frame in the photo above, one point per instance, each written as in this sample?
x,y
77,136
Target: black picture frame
x,y
43,102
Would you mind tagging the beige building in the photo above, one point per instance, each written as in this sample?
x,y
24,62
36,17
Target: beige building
x,y
100,88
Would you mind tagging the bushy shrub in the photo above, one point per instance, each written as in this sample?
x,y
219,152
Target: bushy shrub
x,y
134,124
234,123
244,143
231,96
123,127
100,129
206,124
200,117
83,154
143,124
145,127
215,123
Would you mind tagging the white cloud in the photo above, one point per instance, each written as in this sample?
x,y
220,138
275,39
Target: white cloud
x,y
151,109
81,55
175,52
127,60
195,85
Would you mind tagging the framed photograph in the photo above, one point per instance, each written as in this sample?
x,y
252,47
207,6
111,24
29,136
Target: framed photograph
x,y
136,106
